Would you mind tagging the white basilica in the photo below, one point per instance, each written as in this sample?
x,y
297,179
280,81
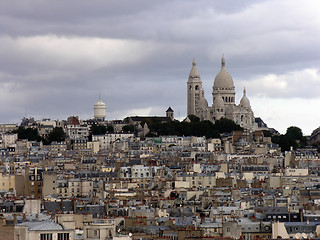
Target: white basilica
x,y
223,104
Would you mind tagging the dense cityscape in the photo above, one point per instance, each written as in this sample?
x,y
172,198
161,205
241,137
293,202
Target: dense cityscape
x,y
220,173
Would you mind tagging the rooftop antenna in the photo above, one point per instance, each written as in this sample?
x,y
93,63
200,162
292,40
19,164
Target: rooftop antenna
x,y
99,95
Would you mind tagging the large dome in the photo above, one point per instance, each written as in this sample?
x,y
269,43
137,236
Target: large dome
x,y
223,80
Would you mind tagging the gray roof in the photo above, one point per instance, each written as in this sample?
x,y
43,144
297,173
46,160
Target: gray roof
x,y
42,226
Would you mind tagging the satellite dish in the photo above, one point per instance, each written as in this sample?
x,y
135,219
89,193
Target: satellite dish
x,y
304,235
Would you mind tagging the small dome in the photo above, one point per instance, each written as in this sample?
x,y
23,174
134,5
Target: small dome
x,y
203,102
223,78
244,100
194,70
99,103
218,101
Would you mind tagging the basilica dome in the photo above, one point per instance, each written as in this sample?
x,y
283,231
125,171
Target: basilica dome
x,y
244,100
223,80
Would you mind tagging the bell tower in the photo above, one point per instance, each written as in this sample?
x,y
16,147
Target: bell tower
x,y
194,90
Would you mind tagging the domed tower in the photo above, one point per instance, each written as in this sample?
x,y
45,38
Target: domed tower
x,y
195,93
243,113
218,108
223,85
244,102
100,110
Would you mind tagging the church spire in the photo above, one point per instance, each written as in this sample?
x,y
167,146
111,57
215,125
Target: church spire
x,y
194,70
223,62
244,91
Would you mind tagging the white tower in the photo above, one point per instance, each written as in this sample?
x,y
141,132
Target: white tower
x,y
195,91
100,110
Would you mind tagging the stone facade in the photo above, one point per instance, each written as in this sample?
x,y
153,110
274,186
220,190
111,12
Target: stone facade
x,y
223,104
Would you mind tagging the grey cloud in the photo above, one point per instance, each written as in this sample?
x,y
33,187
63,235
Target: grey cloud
x,y
256,37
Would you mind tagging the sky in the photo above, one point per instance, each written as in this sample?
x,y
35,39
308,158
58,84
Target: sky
x,y
56,56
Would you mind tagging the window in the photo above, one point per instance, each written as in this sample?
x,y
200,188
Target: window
x,y
46,236
63,236
228,229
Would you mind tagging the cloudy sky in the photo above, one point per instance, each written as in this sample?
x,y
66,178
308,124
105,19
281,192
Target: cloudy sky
x,y
56,56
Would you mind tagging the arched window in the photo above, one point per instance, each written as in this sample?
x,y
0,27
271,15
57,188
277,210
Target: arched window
x,y
190,87
241,118
197,87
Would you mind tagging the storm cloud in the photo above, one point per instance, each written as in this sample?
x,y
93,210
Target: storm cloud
x,y
56,56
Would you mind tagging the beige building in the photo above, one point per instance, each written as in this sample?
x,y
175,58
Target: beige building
x,y
296,172
79,187
73,221
8,127
14,183
108,140
58,147
93,146
195,180
49,183
44,230
100,229
9,139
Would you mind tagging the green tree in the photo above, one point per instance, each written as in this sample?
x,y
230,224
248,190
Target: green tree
x,y
98,129
293,138
193,118
129,128
267,133
110,129
56,135
28,133
225,125
296,134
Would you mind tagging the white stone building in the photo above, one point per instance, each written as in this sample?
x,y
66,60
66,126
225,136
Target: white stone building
x,y
109,139
223,104
77,131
